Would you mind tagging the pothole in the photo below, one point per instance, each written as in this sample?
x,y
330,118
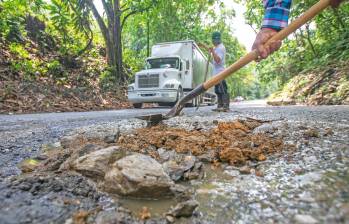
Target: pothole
x,y
160,166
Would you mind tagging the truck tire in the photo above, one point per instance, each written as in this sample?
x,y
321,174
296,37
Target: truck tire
x,y
213,101
180,94
138,105
194,103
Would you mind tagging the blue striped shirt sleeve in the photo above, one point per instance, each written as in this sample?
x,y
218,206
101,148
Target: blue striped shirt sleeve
x,y
276,14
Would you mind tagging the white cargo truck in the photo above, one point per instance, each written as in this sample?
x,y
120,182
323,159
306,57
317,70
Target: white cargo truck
x,y
173,70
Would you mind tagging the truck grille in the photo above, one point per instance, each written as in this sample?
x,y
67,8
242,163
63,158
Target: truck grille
x,y
148,81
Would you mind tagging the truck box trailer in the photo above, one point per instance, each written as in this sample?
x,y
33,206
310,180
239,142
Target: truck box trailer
x,y
173,70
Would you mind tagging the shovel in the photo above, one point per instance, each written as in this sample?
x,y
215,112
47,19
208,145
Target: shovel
x,y
154,119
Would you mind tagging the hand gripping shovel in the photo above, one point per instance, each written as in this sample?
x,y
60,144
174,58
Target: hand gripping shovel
x,y
253,55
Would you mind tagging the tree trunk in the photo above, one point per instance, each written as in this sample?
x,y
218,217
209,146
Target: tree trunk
x,y
112,36
308,39
118,43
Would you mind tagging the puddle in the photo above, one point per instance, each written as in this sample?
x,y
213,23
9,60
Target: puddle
x,y
212,193
156,207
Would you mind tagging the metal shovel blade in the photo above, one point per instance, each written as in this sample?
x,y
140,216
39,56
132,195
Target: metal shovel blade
x,y
152,119
155,119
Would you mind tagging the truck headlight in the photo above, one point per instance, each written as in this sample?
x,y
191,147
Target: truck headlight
x,y
130,88
169,86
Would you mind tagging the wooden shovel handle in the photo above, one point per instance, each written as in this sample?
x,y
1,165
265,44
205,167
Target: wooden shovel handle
x,y
297,23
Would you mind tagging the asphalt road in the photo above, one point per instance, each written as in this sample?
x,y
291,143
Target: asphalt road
x,y
22,135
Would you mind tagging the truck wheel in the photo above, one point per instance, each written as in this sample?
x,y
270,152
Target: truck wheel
x,y
138,105
180,94
213,101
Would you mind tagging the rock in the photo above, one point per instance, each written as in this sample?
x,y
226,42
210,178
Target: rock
x,y
206,158
232,173
245,170
312,133
112,216
188,163
328,132
344,210
310,159
281,102
112,138
51,146
54,163
173,169
176,170
67,141
195,172
165,155
304,219
29,165
299,171
191,175
144,214
41,157
181,192
262,157
259,173
95,164
138,176
184,209
88,149
170,219
25,186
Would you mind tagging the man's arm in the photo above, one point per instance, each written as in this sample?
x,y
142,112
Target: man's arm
x,y
275,19
276,14
215,56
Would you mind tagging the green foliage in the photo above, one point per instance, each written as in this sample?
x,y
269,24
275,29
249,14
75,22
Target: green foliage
x,y
19,50
147,22
107,80
318,44
29,68
70,25
12,16
55,69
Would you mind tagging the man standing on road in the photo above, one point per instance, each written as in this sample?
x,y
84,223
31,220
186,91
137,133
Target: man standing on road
x,y
275,19
218,54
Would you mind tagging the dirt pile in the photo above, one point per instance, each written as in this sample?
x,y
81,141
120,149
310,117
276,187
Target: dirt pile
x,y
27,97
32,81
110,164
231,142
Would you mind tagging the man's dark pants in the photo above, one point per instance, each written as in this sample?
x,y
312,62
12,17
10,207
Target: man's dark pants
x,y
223,96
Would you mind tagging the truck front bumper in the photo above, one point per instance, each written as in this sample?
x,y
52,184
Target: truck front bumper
x,y
153,96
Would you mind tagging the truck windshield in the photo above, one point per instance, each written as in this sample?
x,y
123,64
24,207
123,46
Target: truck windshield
x,y
163,63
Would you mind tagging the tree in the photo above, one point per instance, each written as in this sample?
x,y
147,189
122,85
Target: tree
x,y
111,28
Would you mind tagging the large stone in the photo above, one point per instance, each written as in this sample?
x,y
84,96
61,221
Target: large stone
x,y
95,164
138,176
112,216
305,219
29,165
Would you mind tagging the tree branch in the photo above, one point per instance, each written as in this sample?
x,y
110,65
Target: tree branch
x,y
108,10
99,19
126,17
132,13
